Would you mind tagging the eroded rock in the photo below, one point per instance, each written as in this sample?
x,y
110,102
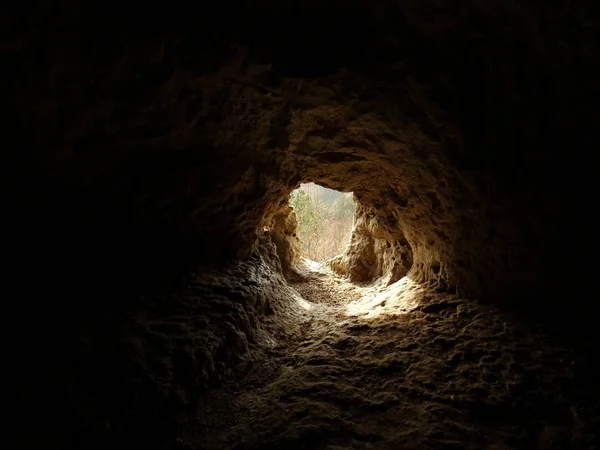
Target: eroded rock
x,y
376,249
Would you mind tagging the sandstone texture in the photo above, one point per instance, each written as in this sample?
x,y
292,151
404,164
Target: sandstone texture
x,y
454,123
403,367
283,232
374,252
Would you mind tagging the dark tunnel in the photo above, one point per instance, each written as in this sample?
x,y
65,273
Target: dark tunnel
x,y
155,295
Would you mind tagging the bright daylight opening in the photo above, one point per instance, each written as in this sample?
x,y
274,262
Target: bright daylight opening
x,y
325,220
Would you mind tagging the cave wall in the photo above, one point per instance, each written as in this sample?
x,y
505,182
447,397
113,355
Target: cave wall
x,y
187,128
375,252
282,230
135,373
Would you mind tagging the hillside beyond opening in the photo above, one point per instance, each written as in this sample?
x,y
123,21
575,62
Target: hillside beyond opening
x,y
325,220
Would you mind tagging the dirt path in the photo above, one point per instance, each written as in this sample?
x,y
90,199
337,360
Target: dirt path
x,y
403,368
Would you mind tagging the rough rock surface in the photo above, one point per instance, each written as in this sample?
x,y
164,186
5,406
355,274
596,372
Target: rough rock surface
x,y
375,251
136,371
458,120
143,144
403,367
283,232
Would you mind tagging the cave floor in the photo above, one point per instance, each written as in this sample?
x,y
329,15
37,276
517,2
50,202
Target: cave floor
x,y
402,367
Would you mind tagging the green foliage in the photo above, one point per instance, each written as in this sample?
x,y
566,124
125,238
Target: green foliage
x,y
308,213
343,208
325,221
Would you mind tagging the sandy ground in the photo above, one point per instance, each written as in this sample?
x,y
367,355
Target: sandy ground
x,y
399,367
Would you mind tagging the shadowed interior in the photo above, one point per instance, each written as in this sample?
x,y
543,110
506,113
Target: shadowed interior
x,y
149,148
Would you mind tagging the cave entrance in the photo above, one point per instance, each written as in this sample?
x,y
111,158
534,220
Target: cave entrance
x,y
325,220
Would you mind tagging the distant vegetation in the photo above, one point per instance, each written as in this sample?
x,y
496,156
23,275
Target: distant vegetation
x,y
325,219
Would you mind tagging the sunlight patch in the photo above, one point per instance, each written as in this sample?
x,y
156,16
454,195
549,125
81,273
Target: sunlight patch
x,y
399,298
304,304
313,266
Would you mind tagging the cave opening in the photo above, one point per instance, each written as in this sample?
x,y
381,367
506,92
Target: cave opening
x,y
325,220
165,297
345,253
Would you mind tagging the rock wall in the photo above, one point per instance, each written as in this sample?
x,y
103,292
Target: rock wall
x,y
283,232
375,250
132,370
462,119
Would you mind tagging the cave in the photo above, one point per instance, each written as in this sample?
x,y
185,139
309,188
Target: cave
x,y
154,292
